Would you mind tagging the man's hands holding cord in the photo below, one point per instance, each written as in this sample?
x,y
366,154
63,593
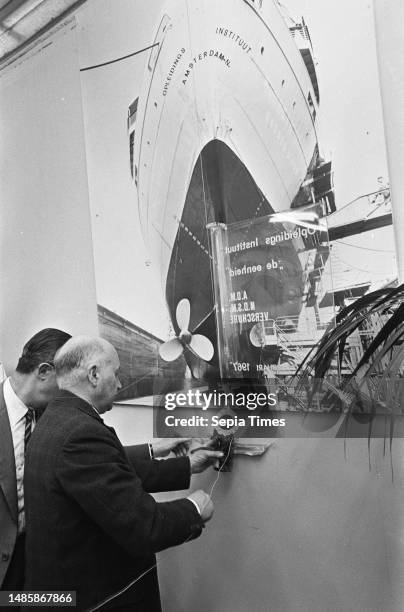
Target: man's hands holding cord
x,y
204,504
200,458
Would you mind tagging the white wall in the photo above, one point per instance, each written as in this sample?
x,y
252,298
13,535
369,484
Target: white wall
x,y
46,259
301,529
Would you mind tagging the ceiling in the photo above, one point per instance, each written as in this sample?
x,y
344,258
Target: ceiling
x,y
21,21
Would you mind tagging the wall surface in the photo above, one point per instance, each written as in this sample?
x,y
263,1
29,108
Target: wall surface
x,y
302,529
46,258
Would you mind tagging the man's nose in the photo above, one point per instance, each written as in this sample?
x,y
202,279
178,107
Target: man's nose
x,y
119,384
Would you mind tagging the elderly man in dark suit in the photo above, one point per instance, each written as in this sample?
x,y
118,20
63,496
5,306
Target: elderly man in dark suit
x,y
28,390
23,398
92,526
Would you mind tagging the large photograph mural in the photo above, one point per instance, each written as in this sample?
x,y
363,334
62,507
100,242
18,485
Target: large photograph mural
x,y
227,114
234,117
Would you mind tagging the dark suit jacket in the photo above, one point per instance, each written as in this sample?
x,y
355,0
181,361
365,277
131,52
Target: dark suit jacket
x,y
8,491
91,527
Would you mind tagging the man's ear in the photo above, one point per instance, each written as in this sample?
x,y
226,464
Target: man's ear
x,y
93,375
44,370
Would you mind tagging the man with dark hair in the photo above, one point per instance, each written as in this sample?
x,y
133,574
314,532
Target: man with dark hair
x,y
41,348
22,396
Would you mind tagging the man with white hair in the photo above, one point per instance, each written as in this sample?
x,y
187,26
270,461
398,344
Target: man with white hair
x,y
91,526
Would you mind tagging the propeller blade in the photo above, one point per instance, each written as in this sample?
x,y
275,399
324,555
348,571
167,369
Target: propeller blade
x,y
183,314
171,350
202,347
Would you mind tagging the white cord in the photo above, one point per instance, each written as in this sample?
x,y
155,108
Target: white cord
x,y
220,469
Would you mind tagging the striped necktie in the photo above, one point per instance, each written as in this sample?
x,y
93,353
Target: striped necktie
x,y
29,419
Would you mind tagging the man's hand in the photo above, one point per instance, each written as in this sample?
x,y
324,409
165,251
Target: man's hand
x,y
163,447
202,459
204,503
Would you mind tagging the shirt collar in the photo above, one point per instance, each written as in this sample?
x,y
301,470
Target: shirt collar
x,y
94,408
15,406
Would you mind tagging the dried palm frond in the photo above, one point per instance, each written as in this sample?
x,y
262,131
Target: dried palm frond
x,y
376,383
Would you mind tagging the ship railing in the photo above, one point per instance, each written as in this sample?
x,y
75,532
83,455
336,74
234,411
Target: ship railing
x,y
294,349
295,325
300,32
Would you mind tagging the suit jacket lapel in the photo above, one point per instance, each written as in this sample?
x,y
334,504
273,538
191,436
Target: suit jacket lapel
x,y
7,461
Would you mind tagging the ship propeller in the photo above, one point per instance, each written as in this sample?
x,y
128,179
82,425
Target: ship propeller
x,y
199,345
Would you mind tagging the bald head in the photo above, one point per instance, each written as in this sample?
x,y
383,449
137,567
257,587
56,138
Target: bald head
x,y
88,366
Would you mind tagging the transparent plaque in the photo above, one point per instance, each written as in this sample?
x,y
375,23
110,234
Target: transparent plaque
x,y
273,292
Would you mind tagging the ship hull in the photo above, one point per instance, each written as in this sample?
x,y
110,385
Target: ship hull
x,y
224,132
230,195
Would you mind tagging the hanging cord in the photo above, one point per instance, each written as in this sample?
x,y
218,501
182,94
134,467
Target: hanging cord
x,y
135,580
119,59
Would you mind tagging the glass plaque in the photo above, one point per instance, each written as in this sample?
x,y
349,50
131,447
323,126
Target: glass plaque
x,y
273,292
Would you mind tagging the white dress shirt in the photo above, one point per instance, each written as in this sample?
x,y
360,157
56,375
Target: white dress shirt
x,y
16,414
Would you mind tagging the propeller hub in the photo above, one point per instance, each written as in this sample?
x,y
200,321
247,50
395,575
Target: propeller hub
x,y
185,336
